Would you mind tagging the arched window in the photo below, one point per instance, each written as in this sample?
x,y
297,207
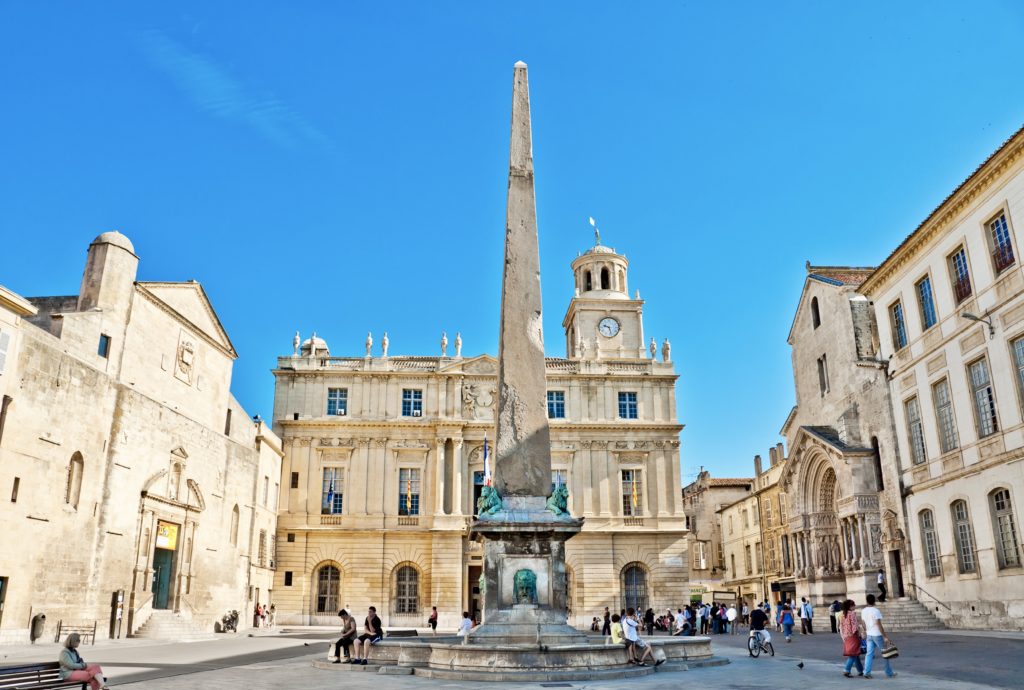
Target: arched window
x,y
328,587
588,282
1005,529
407,590
930,542
815,314
234,526
606,282
634,587
964,534
73,490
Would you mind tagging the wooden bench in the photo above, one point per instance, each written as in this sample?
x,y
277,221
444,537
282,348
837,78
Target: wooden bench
x,y
36,676
86,631
402,633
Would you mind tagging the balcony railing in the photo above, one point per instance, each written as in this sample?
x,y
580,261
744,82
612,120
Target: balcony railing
x,y
962,289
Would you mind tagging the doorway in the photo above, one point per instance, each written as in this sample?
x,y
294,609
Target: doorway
x,y
896,569
163,563
3,596
474,600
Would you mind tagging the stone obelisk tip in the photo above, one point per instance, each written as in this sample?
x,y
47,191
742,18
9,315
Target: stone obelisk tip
x,y
520,64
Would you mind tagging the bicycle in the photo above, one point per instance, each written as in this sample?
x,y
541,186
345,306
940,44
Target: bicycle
x,y
756,643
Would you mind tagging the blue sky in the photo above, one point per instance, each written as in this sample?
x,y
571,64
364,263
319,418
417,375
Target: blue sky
x,y
342,167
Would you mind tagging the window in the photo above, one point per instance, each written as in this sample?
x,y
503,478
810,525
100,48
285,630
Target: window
x,y
815,314
632,492
746,518
634,587
408,491
984,399
234,526
999,243
412,402
556,404
332,491
899,326
964,534
767,503
732,564
337,402
104,348
915,431
782,509
1006,529
5,344
926,302
773,564
227,423
261,551
274,495
959,275
747,559
73,490
627,406
558,478
605,281
786,559
14,489
758,557
588,283
287,578
328,586
930,541
731,530
700,556
823,374
1018,361
174,482
944,416
295,480
290,538
407,590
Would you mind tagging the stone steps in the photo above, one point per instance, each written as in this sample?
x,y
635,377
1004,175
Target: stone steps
x,y
167,625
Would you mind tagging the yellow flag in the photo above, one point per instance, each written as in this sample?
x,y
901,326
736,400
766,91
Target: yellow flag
x,y
408,495
634,490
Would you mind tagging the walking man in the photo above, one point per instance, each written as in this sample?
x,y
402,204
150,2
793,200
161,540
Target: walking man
x,y
806,616
607,628
881,585
877,637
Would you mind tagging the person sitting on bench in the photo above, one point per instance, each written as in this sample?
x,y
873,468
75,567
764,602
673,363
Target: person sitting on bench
x,y
73,667
373,631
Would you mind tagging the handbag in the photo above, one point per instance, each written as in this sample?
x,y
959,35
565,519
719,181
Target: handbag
x,y
890,652
851,646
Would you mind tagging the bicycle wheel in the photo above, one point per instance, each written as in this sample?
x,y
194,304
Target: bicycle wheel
x,y
753,646
770,648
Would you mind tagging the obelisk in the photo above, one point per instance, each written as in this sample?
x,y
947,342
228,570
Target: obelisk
x,y
522,447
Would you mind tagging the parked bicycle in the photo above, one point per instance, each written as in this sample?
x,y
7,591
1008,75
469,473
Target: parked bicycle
x,y
760,641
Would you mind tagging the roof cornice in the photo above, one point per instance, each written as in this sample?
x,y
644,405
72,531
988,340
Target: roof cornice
x,y
969,190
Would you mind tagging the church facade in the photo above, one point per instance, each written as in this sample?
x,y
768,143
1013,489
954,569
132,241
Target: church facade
x,y
140,490
384,460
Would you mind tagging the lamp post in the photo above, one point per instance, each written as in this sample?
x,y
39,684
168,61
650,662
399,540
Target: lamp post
x,y
987,321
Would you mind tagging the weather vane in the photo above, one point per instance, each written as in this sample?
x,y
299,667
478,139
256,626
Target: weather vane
x,y
597,233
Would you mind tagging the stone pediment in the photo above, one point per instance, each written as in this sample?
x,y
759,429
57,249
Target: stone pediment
x,y
484,365
187,302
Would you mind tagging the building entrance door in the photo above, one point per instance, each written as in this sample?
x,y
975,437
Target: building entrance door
x,y
163,563
896,568
475,601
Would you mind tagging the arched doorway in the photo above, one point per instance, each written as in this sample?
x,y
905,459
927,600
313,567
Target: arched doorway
x,y
634,587
327,596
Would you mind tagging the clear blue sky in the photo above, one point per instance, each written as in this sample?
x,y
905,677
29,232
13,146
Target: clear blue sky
x,y
342,166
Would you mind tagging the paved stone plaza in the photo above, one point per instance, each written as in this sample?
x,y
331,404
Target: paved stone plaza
x,y
937,660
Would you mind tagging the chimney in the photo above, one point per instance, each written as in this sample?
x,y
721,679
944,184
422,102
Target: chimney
x,y
780,454
757,465
772,457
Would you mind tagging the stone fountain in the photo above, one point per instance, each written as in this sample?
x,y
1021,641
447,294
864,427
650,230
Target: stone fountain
x,y
523,521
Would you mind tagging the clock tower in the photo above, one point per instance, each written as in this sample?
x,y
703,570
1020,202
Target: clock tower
x,y
602,322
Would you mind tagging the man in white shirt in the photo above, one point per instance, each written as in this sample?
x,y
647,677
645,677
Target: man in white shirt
x,y
806,617
680,622
877,638
730,615
881,585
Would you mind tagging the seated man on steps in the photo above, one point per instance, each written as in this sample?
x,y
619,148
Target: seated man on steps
x,y
373,632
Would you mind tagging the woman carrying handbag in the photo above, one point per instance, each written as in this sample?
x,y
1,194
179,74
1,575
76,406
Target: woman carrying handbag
x,y
849,631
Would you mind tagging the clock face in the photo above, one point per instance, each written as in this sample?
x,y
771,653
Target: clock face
x,y
608,327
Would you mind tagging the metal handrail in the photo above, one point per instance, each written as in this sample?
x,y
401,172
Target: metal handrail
x,y
926,592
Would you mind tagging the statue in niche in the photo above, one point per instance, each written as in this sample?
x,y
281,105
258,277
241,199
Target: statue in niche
x,y
489,502
583,348
458,345
525,587
558,501
384,342
369,344
444,344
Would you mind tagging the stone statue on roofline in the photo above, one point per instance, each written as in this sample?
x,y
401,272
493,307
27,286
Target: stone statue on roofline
x,y
654,349
369,344
296,341
444,344
384,342
458,346
666,351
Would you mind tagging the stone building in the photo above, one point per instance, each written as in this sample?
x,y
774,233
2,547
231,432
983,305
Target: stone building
x,y
741,547
841,477
703,498
949,302
134,473
384,461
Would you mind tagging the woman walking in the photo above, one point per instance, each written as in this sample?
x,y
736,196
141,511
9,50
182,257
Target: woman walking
x,y
849,630
786,620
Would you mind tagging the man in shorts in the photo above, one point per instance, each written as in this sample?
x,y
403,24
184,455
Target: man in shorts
x,y
373,632
758,619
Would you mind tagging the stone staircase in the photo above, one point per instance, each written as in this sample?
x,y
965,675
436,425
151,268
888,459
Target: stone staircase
x,y
908,614
168,625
